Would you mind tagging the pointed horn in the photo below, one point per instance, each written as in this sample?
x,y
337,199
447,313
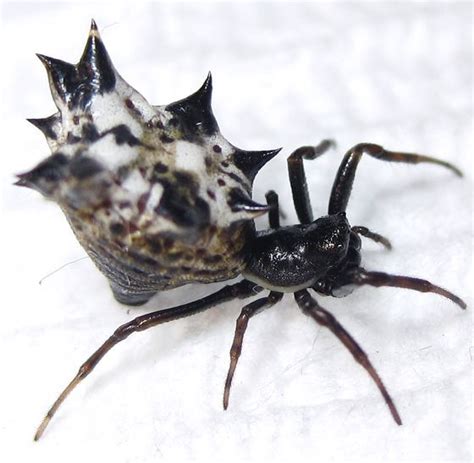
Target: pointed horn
x,y
204,94
22,180
195,111
250,162
46,175
239,202
95,65
60,75
93,26
47,125
76,85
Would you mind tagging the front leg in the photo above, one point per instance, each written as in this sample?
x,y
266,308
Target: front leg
x,y
364,231
299,187
361,277
342,186
310,307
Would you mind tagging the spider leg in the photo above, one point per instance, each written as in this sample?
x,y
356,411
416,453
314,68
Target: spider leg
x,y
310,307
364,231
342,186
297,176
362,277
274,212
239,290
248,311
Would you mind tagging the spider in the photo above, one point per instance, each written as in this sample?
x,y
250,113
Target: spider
x,y
321,255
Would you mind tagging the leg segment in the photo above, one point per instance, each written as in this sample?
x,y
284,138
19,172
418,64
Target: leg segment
x,y
240,327
364,231
274,212
310,307
362,277
297,176
342,186
240,290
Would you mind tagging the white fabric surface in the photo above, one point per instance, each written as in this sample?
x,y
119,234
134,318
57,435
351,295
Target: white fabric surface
x,y
284,75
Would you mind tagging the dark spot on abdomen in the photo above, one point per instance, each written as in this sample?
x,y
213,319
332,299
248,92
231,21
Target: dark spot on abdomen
x,y
116,228
82,167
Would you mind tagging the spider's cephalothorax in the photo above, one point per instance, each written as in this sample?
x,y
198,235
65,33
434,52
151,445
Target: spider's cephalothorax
x,y
155,194
144,187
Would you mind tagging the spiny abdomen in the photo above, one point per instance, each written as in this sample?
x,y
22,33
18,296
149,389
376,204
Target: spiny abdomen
x,y
155,194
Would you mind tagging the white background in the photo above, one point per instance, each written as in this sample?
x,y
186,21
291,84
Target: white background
x,y
398,74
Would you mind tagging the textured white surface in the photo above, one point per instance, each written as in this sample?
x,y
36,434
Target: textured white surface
x,y
284,75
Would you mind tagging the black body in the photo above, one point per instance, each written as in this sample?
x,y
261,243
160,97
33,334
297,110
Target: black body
x,y
300,256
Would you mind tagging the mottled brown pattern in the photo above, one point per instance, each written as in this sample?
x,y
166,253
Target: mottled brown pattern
x,y
144,264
